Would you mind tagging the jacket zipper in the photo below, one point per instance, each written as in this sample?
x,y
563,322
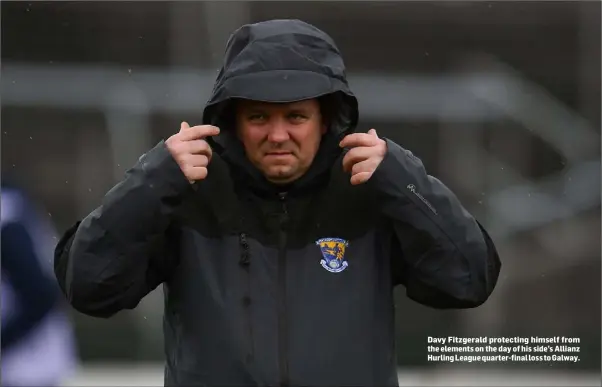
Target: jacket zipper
x,y
282,313
244,262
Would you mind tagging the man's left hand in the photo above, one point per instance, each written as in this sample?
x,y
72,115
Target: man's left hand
x,y
366,151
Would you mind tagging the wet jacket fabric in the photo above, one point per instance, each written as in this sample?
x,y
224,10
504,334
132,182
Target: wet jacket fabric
x,y
269,285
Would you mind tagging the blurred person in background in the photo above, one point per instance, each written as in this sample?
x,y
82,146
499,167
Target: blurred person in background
x,y
37,343
278,231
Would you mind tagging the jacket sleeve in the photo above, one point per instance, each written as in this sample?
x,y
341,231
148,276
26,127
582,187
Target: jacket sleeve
x,y
117,254
442,255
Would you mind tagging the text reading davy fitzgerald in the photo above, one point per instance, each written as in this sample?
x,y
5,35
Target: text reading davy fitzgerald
x,y
503,340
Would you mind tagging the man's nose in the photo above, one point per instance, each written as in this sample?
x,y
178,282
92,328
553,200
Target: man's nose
x,y
278,133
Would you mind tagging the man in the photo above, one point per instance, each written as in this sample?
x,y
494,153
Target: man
x,y
278,233
37,341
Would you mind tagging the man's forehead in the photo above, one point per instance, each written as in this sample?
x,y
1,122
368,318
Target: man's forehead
x,y
304,104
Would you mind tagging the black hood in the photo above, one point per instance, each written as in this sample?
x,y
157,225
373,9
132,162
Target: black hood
x,y
280,61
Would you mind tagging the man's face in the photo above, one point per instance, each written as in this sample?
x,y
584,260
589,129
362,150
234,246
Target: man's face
x,y
280,139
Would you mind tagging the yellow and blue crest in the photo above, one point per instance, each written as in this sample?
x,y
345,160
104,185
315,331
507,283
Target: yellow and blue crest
x,y
333,253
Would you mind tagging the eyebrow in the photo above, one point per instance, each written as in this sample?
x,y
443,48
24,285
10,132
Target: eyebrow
x,y
301,111
260,108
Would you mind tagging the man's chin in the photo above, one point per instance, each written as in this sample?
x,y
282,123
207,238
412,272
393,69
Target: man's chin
x,y
280,175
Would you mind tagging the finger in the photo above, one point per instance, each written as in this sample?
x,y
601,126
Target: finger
x,y
358,139
195,173
195,160
360,178
198,147
198,132
365,166
356,155
184,125
372,132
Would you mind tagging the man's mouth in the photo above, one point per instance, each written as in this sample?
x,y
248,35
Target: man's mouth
x,y
278,153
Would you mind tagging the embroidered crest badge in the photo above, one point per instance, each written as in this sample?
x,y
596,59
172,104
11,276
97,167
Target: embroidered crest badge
x,y
333,253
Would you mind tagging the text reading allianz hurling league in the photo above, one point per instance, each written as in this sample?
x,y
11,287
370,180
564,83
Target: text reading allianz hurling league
x,y
502,349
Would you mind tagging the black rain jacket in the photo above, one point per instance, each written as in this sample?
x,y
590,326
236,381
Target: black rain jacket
x,y
268,286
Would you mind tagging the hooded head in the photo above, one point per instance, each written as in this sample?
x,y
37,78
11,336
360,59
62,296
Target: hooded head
x,y
281,62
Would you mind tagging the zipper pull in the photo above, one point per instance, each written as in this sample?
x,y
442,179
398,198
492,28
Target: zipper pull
x,y
284,216
282,196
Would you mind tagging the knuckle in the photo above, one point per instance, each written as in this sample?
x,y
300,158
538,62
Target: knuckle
x,y
181,158
176,147
200,161
348,157
188,172
196,173
208,152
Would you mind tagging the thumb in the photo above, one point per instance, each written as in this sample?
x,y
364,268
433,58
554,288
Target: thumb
x,y
184,125
372,132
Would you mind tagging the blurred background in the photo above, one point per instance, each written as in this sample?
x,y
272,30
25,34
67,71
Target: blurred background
x,y
501,101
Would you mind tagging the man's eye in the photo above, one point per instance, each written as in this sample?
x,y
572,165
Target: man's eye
x,y
297,117
257,117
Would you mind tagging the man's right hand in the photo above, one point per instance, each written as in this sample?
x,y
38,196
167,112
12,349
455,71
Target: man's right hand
x,y
190,150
